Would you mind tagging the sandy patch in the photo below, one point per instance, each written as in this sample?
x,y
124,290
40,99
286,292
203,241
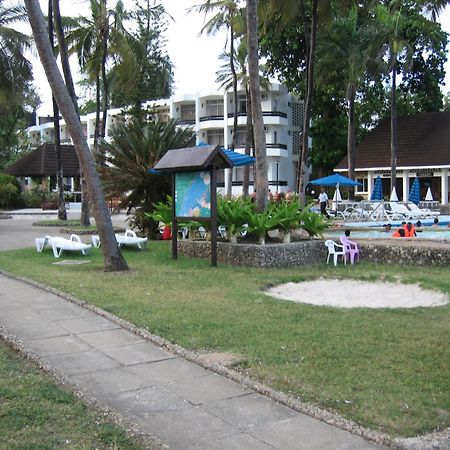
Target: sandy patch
x,y
358,294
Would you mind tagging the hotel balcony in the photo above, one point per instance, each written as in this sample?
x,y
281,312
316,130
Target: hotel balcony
x,y
270,118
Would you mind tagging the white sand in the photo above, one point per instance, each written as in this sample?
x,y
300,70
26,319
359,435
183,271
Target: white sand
x,y
358,294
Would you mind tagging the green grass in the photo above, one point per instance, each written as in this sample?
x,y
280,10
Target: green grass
x,y
57,223
385,369
36,414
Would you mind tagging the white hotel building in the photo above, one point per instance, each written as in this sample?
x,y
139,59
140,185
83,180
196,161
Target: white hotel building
x,y
211,116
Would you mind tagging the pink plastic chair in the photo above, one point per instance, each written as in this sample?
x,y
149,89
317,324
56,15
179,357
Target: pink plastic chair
x,y
351,248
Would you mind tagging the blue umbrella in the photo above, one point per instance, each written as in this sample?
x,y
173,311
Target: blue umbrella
x,y
377,193
414,193
333,180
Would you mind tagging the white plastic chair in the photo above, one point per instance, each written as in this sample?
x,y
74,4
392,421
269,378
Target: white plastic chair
x,y
336,250
129,238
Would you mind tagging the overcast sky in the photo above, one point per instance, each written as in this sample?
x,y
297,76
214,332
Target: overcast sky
x,y
195,56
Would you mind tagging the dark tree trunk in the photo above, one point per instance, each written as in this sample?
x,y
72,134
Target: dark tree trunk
x,y
303,161
351,138
85,219
394,124
62,214
113,259
261,182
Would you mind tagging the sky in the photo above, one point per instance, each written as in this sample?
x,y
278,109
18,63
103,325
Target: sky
x,y
195,56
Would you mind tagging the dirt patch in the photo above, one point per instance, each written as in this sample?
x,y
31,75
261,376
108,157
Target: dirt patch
x,y
358,294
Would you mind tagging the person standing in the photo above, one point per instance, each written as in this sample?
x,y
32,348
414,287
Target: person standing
x,y
323,201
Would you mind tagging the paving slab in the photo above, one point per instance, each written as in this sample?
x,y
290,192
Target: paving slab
x,y
211,388
139,353
82,362
183,404
302,432
161,372
238,441
58,345
110,338
250,411
39,330
87,324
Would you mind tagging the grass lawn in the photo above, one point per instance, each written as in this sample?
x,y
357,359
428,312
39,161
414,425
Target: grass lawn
x,y
36,414
385,369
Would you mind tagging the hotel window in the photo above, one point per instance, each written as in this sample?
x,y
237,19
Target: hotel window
x,y
215,137
242,104
214,107
188,112
364,187
241,137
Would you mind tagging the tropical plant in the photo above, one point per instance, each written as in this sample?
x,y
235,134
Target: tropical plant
x,y
348,47
96,40
162,212
313,223
133,149
287,217
228,15
260,223
113,258
15,69
233,214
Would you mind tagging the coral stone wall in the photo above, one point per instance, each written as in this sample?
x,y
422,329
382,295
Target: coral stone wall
x,y
314,252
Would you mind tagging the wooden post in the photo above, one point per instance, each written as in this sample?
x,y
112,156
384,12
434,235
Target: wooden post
x,y
213,221
174,222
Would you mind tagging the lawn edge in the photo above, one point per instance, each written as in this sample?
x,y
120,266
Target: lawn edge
x,y
428,441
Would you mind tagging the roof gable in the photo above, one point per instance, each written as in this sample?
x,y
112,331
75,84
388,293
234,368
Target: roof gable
x,y
422,140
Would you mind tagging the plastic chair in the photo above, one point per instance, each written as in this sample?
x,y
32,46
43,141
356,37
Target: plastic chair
x,y
336,250
350,248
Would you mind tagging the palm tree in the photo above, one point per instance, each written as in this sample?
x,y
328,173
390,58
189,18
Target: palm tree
x,y
95,39
113,259
15,69
134,149
64,56
225,79
348,47
228,16
62,214
261,180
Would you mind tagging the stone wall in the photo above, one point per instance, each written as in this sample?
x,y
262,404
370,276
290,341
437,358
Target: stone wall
x,y
314,252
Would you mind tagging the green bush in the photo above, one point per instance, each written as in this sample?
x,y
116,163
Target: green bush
x,y
9,191
261,223
31,198
313,223
286,214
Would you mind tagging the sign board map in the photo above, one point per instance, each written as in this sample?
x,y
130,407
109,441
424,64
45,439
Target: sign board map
x,y
193,194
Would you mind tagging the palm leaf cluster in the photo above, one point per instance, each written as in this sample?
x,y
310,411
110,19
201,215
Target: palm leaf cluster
x,y
15,69
133,150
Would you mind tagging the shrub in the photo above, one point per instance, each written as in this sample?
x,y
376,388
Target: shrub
x,y
313,223
261,223
9,191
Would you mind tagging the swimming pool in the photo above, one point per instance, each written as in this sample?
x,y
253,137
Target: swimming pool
x,y
442,233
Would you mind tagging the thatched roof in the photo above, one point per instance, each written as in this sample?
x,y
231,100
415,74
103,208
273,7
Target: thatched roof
x,y
423,140
42,162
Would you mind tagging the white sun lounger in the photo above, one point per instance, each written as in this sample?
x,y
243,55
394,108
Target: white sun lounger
x,y
59,244
129,238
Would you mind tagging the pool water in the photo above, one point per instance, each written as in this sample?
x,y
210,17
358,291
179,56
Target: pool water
x,y
440,233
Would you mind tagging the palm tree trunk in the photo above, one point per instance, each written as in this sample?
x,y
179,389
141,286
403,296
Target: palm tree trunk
x,y
62,214
351,138
248,143
113,259
394,125
105,102
85,219
303,162
98,107
235,101
261,182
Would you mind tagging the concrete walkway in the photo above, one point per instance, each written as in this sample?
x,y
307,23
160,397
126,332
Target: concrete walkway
x,y
181,403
